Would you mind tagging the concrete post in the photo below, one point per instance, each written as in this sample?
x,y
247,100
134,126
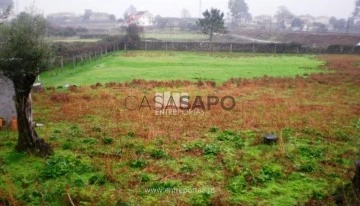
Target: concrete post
x,y
73,61
62,63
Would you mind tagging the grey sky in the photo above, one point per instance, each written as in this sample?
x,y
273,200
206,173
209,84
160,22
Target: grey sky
x,y
338,8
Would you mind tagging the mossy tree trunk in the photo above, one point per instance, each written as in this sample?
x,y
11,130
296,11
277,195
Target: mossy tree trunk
x,y
28,139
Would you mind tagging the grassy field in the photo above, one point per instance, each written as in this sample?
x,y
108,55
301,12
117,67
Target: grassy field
x,y
73,39
176,36
157,65
108,155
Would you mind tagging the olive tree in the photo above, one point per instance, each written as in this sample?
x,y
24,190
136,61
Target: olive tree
x,y
24,53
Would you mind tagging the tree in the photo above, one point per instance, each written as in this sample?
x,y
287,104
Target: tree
x,y
297,22
213,22
239,11
133,35
338,24
282,15
319,27
4,4
87,14
25,52
356,13
185,13
129,11
5,8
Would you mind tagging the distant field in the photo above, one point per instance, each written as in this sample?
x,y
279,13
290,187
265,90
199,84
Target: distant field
x,y
176,36
73,39
156,65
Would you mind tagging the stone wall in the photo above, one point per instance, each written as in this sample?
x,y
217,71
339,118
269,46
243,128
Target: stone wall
x,y
7,104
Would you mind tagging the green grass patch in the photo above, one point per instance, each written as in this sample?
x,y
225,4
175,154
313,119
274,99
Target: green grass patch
x,y
162,66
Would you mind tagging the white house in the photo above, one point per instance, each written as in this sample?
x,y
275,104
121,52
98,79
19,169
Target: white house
x,y
141,18
322,19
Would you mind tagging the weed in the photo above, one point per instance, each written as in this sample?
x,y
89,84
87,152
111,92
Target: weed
x,y
211,149
145,177
97,180
201,199
311,152
67,146
90,141
186,169
163,186
237,184
79,183
58,166
138,164
214,129
357,125
157,154
131,135
107,140
269,173
307,166
233,137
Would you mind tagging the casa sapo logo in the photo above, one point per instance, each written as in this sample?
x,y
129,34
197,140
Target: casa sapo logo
x,y
176,103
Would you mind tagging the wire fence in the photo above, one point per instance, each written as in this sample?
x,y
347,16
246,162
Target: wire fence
x,y
88,56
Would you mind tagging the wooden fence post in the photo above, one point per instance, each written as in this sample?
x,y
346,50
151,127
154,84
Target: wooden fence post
x,y
253,48
231,48
275,50
145,46
82,58
125,46
90,56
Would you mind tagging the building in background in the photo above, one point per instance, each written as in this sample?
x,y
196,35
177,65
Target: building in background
x,y
141,18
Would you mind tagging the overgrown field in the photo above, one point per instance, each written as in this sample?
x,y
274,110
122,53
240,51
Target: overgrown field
x,y
108,155
158,65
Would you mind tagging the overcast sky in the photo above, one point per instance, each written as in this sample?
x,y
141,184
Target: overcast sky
x,y
338,8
